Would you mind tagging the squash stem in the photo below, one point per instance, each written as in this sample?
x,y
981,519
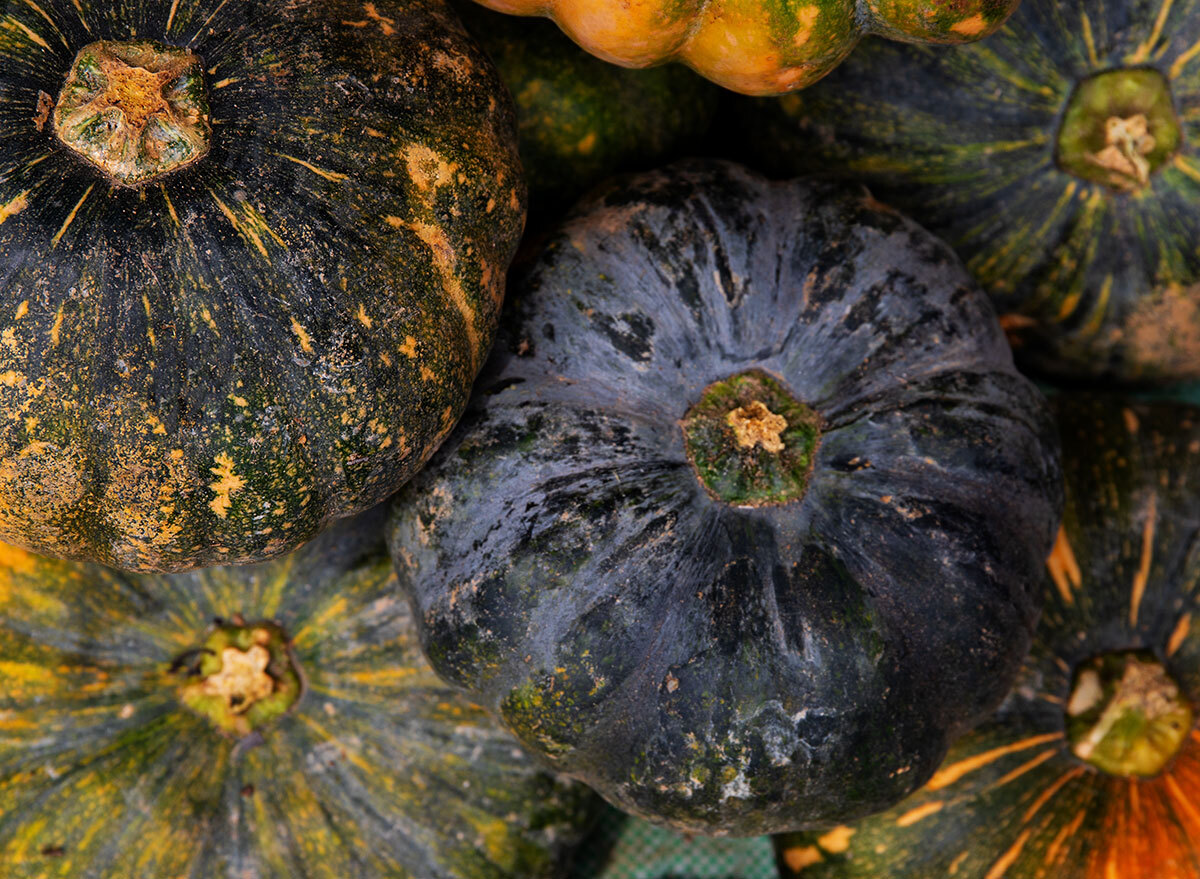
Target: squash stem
x,y
242,678
1126,715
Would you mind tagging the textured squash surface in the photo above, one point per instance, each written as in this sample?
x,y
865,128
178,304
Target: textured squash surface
x,y
778,660
1020,796
378,770
581,120
210,364
1026,153
758,47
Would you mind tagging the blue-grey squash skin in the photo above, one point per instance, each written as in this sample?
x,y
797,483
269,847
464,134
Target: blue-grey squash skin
x,y
728,670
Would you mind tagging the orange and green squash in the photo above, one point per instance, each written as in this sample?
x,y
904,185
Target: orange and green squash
x,y
1091,768
757,47
746,519
273,721
581,120
1060,158
251,258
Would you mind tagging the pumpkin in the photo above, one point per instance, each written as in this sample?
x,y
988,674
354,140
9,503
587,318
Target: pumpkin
x,y
258,722
581,120
757,47
1092,765
251,259
1060,159
746,519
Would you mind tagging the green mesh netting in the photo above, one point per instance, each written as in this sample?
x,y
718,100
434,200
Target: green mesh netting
x,y
622,847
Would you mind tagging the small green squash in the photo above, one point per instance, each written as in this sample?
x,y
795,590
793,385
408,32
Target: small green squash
x,y
581,120
1091,768
746,519
272,721
759,47
251,258
1061,159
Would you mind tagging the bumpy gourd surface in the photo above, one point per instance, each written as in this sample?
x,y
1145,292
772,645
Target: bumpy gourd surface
x,y
1012,800
1096,280
379,771
210,366
721,668
758,47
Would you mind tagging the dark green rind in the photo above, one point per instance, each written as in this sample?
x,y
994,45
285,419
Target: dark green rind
x,y
1014,801
580,119
964,138
291,324
379,771
716,669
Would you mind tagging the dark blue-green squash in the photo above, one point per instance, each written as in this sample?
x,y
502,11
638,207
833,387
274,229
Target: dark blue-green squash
x,y
1060,158
746,520
1091,767
273,721
251,258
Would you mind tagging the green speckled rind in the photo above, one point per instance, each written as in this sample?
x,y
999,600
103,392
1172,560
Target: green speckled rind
x,y
211,367
379,772
759,47
1102,284
1011,801
581,120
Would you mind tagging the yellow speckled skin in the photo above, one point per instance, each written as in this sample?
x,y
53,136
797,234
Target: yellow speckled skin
x,y
210,367
379,771
757,47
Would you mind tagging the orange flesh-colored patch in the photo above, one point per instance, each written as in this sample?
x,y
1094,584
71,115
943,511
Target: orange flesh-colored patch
x,y
1143,571
1063,568
970,27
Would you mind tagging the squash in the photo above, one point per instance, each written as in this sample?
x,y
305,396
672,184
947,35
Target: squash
x,y
260,722
745,520
757,47
1061,159
1092,766
581,120
251,259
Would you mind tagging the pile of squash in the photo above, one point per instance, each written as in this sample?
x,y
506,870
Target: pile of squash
x,y
416,432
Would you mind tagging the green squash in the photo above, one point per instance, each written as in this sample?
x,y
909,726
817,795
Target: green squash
x,y
251,258
744,522
581,120
1061,159
1091,768
272,721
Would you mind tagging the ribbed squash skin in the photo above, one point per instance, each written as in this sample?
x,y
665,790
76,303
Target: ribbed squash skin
x,y
717,669
581,120
757,47
213,366
1011,800
964,139
380,771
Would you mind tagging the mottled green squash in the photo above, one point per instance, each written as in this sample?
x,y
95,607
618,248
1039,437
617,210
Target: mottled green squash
x,y
581,120
1091,768
759,47
301,734
1061,158
251,258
